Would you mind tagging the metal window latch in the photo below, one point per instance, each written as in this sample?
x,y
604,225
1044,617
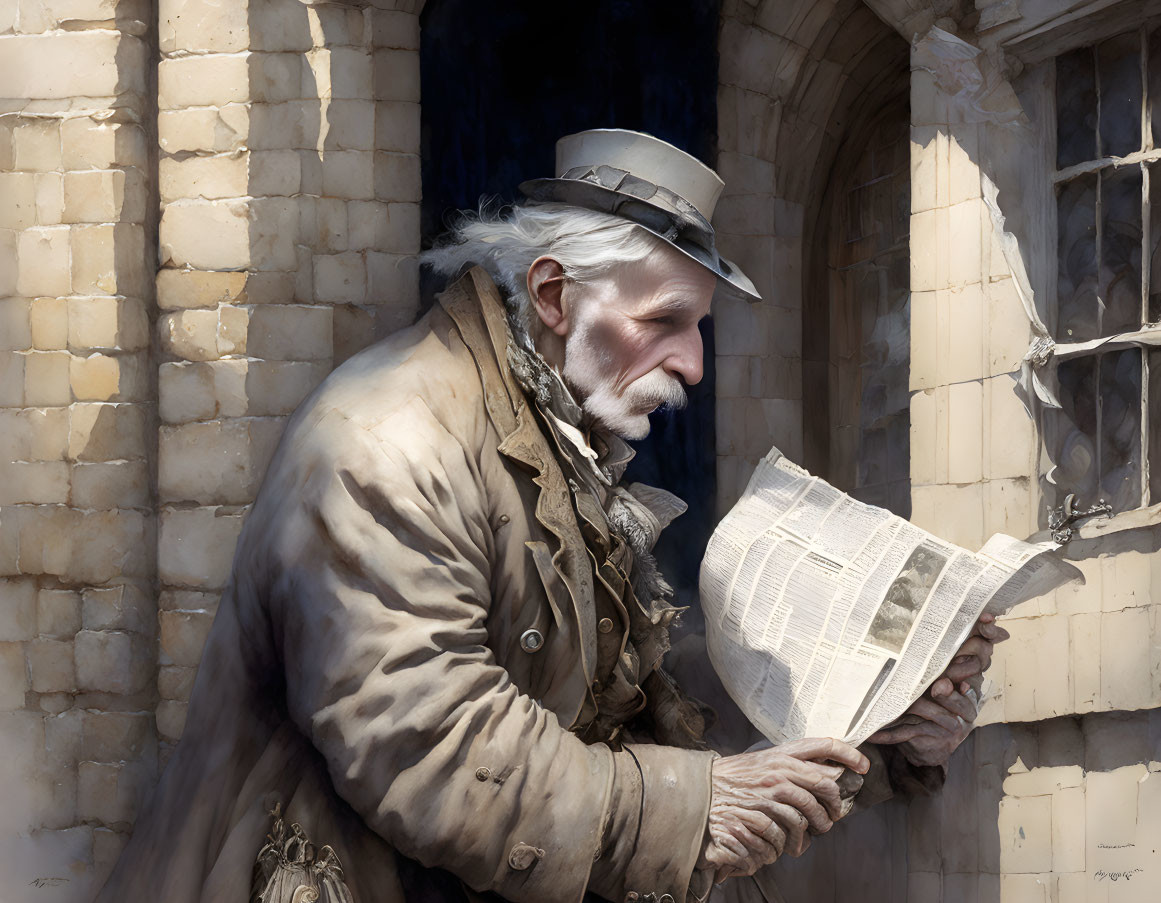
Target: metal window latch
x,y
1061,519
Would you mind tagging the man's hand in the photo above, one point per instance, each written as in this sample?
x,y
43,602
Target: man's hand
x,y
937,723
770,801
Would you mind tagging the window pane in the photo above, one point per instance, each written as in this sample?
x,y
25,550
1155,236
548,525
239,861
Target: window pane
x,y
1155,84
1071,430
1119,60
1155,426
1120,389
1076,282
1155,242
1076,107
1120,282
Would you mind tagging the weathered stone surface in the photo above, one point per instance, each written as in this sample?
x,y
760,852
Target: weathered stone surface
x,y
205,177
46,66
18,610
123,607
215,130
196,546
50,666
202,25
115,736
110,793
58,612
197,81
183,634
13,676
113,661
111,484
216,462
183,289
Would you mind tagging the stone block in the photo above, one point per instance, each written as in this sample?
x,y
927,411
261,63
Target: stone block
x,y
183,289
110,793
340,278
329,231
203,81
1036,669
43,261
196,546
36,143
206,235
186,392
1126,642
49,323
1068,830
396,75
1009,508
62,738
107,432
276,77
200,335
111,484
15,324
50,666
397,126
107,323
1012,446
104,196
89,143
290,332
115,736
276,172
13,676
38,434
351,74
214,130
49,198
952,512
183,635
273,228
19,192
206,177
109,545
351,174
218,462
46,378
391,28
113,661
1025,826
18,607
394,282
107,259
185,25
1110,816
176,683
351,126
11,379
397,177
57,66
101,377
34,483
58,612
9,261
120,607
171,719
293,124
107,848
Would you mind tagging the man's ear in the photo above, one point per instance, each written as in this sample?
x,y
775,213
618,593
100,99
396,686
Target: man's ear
x,y
546,289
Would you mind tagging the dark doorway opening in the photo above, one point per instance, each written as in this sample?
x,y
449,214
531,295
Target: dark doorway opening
x,y
501,82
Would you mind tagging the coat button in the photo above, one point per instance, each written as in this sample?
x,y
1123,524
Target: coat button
x,y
504,518
531,640
632,897
665,898
482,774
524,856
604,625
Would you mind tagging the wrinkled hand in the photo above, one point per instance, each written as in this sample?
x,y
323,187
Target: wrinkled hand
x,y
770,801
937,723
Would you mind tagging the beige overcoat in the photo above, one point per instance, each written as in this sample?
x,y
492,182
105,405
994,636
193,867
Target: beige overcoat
x,y
365,671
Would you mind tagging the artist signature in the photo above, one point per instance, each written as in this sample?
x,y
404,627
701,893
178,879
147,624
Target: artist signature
x,y
48,882
1115,846
1128,874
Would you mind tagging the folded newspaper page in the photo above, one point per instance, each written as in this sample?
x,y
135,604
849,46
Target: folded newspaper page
x,y
827,617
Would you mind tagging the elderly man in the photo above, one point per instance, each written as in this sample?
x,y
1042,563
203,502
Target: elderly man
x,y
437,672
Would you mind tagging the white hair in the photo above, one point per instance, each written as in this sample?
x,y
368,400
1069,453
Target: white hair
x,y
506,242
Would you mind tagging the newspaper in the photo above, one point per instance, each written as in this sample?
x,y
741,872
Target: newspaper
x,y
827,617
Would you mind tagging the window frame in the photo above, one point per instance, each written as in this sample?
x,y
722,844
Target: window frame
x,y
1147,337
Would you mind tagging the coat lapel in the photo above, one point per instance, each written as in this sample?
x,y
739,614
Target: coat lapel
x,y
476,308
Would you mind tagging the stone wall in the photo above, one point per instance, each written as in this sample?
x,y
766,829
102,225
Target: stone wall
x,y
272,147
77,641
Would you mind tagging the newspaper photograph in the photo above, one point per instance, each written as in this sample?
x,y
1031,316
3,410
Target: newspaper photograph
x,y
828,617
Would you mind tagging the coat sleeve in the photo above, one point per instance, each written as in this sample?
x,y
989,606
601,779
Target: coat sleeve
x,y
379,601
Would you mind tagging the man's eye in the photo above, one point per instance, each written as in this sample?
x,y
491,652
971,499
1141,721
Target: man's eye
x,y
664,321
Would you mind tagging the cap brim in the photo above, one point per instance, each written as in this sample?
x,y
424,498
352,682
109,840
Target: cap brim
x,y
575,192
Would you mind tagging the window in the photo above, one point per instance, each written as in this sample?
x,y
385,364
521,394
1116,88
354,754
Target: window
x,y
1106,319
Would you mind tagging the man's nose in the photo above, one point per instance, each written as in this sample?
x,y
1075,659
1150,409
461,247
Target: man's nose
x,y
685,359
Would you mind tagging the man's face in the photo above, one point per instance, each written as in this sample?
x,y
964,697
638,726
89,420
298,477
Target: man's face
x,y
633,344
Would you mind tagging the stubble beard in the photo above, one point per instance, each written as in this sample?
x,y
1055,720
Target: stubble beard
x,y
591,375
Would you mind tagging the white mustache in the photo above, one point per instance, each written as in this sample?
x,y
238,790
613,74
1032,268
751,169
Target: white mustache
x,y
657,389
